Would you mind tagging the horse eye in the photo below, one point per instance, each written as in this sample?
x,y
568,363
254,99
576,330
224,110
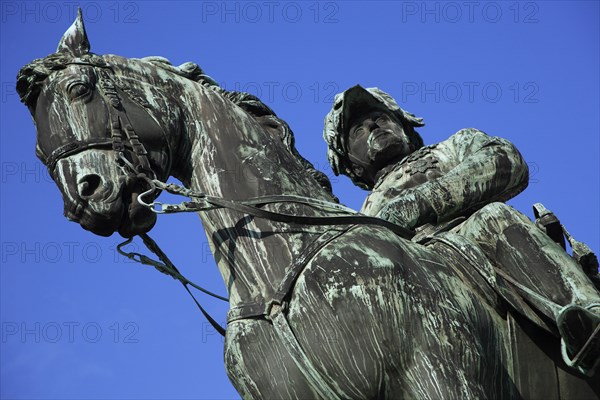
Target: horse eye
x,y
78,89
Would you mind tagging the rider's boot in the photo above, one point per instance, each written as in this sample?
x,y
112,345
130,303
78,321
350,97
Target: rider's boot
x,y
559,288
579,348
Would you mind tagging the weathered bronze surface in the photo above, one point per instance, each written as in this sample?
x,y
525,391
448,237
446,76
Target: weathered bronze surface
x,y
316,311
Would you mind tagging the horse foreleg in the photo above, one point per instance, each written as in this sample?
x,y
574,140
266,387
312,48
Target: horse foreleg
x,y
259,364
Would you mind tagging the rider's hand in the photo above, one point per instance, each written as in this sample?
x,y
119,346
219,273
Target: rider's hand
x,y
409,210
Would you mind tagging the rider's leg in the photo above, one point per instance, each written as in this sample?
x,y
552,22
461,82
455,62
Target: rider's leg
x,y
529,256
545,268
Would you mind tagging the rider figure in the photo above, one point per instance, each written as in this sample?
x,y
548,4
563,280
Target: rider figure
x,y
372,141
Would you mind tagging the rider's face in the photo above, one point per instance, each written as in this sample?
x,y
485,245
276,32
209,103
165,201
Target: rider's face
x,y
375,140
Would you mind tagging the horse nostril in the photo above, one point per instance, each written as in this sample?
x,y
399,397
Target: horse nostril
x,y
88,185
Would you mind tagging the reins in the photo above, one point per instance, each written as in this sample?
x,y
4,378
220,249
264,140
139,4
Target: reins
x,y
252,207
205,203
167,267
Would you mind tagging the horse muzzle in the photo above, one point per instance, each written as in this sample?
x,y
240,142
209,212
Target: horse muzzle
x,y
103,200
137,217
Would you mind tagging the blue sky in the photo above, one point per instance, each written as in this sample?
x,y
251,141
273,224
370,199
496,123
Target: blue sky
x,y
80,322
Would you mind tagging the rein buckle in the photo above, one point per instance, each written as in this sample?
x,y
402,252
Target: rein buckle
x,y
275,307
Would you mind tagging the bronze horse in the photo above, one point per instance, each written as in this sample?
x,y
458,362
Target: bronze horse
x,y
352,311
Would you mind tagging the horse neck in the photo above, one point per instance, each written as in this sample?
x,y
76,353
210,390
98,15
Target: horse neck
x,y
230,155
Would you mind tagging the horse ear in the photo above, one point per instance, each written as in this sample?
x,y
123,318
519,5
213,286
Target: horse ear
x,y
75,40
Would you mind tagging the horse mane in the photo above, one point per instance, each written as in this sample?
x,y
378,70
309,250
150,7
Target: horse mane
x,y
253,106
31,76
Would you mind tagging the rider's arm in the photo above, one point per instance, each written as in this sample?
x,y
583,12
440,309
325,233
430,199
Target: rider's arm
x,y
484,169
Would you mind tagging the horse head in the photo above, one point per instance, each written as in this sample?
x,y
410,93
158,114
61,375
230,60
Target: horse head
x,y
101,140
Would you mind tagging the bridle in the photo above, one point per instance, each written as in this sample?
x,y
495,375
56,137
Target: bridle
x,y
122,133
119,122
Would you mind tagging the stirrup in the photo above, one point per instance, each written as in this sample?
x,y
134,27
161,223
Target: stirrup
x,y
586,350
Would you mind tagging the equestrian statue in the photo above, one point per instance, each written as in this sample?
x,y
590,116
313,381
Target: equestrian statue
x,y
435,289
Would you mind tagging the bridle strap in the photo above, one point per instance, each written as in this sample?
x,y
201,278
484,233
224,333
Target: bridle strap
x,y
153,247
166,266
73,148
119,122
